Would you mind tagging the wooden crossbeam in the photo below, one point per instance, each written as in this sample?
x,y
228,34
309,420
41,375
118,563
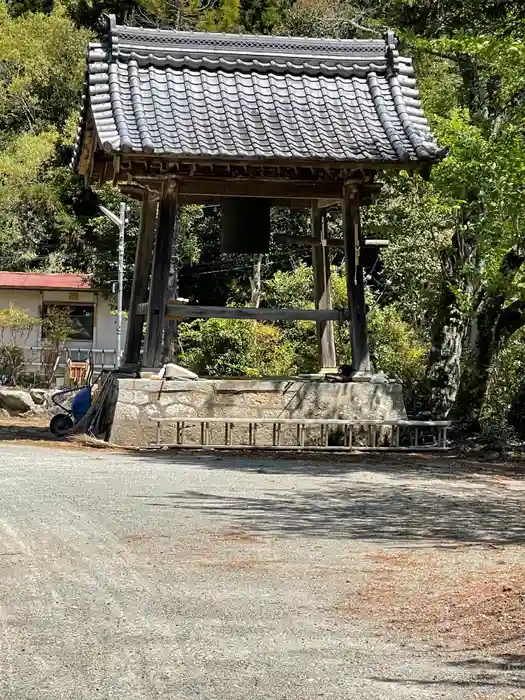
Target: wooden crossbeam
x,y
178,311
260,187
330,242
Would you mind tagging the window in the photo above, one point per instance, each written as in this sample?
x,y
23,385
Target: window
x,y
82,319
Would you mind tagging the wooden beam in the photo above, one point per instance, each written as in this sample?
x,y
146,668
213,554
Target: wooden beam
x,y
179,311
209,200
156,311
260,187
322,292
308,240
207,190
139,192
328,203
330,242
361,366
141,275
376,243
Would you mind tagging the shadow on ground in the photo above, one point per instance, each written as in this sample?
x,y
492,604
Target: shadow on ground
x,y
33,429
505,671
368,510
450,465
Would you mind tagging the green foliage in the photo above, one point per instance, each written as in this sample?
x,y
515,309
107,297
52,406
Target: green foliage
x,y
224,16
41,69
291,289
396,347
413,216
234,348
57,326
12,363
506,376
449,234
56,332
260,16
15,327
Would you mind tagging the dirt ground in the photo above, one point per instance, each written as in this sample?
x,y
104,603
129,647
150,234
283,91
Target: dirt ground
x,y
33,428
415,562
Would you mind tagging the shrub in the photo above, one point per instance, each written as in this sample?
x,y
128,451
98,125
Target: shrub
x,y
230,347
15,328
56,331
233,348
506,377
397,350
12,363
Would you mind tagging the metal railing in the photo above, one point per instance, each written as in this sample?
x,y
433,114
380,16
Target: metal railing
x,y
99,357
302,434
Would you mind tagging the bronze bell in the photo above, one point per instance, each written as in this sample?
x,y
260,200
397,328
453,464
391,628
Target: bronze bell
x,y
245,225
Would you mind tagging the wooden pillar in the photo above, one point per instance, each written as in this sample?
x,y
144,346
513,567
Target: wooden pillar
x,y
322,291
171,328
159,280
141,274
355,285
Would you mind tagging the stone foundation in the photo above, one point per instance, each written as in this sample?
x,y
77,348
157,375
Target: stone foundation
x,y
141,400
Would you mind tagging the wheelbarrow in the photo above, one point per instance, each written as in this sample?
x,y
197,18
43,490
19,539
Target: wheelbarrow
x,y
62,423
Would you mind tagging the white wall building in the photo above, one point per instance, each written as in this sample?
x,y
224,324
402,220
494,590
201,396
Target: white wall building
x,y
94,324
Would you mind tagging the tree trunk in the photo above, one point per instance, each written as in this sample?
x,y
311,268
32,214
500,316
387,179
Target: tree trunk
x,y
495,324
474,389
450,327
516,416
444,371
256,282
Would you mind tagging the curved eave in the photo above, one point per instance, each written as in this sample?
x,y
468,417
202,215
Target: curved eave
x,y
389,79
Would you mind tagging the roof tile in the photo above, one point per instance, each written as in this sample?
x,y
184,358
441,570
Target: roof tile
x,y
180,93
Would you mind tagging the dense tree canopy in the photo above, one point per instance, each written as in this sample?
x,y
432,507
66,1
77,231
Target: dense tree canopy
x,y
447,301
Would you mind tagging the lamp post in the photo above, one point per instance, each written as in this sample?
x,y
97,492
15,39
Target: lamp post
x,y
119,221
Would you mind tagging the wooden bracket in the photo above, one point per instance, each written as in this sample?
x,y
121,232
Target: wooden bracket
x,y
169,189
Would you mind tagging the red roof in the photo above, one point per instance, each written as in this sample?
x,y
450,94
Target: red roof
x,y
42,280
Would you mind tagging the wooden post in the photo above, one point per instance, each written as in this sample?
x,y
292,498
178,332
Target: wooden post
x,y
355,283
322,292
141,274
159,280
171,328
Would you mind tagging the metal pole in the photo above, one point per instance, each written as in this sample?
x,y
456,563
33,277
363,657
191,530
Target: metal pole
x,y
120,282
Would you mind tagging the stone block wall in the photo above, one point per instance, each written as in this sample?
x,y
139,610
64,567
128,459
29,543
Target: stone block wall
x,y
141,400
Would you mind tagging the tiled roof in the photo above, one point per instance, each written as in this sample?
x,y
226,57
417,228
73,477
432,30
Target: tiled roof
x,y
41,280
248,97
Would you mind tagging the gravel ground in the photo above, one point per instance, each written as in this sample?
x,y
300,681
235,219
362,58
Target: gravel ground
x,y
226,578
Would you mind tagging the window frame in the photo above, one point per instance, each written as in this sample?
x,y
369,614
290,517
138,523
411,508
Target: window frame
x,y
71,305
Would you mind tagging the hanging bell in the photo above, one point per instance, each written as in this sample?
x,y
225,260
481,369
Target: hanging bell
x,y
245,225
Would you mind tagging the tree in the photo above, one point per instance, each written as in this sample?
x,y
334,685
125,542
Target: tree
x,y
56,332
15,328
451,280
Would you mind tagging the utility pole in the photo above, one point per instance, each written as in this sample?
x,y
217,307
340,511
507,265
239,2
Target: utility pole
x,y
119,221
120,279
